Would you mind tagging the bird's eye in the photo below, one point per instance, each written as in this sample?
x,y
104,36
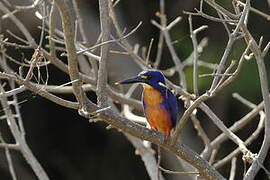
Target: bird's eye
x,y
149,77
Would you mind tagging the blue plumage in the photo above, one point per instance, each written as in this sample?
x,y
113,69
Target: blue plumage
x,y
160,104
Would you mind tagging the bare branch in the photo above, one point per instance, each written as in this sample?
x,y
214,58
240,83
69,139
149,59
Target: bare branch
x,y
221,9
125,44
233,168
176,60
32,6
193,34
200,130
9,146
186,115
68,27
163,23
19,24
149,51
256,11
200,13
234,153
8,156
147,157
52,26
176,172
89,72
141,132
266,49
36,89
254,168
236,126
26,152
102,72
224,129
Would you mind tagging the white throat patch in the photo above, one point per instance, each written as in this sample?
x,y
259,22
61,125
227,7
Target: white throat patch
x,y
146,86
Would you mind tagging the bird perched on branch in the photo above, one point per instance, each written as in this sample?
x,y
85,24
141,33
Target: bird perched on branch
x,y
160,104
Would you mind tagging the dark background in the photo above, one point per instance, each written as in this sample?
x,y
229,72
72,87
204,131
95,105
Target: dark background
x,y
69,147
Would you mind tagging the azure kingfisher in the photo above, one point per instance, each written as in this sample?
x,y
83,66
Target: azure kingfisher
x,y
160,104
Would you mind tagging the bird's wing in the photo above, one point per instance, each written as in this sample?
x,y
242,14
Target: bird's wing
x,y
173,107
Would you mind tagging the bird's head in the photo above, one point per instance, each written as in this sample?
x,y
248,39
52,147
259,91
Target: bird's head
x,y
152,78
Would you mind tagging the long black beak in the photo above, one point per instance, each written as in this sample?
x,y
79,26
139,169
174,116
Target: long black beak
x,y
130,81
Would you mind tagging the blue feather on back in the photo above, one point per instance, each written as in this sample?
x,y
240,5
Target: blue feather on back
x,y
172,107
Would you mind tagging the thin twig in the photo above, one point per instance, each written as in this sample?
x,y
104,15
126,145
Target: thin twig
x,y
176,172
10,146
52,26
175,58
36,89
163,23
230,79
256,11
111,41
235,127
32,6
147,157
193,34
186,116
19,24
224,129
266,49
25,150
9,159
125,44
250,139
222,10
243,100
200,13
233,168
228,48
200,130
149,51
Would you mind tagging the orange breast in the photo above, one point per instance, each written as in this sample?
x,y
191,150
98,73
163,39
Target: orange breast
x,y
156,115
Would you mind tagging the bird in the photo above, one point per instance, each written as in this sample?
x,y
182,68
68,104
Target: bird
x,y
159,103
